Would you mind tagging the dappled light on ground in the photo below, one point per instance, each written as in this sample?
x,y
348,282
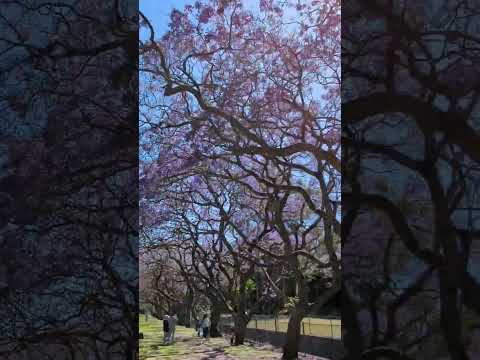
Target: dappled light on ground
x,y
188,346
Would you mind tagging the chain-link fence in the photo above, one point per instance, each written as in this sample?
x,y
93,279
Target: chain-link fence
x,y
324,327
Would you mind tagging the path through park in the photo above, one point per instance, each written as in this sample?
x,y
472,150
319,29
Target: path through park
x,y
188,346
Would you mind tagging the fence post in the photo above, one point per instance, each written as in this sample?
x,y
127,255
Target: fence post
x,y
303,327
276,325
331,327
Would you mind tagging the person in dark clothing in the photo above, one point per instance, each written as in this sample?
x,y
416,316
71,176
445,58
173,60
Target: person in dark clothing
x,y
166,329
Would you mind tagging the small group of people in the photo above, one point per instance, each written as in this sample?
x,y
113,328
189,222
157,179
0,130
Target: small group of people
x,y
169,324
203,327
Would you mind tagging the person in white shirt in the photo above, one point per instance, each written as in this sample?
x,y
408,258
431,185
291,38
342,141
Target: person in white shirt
x,y
198,326
206,326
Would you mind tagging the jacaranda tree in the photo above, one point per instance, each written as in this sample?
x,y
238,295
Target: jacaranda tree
x,y
248,97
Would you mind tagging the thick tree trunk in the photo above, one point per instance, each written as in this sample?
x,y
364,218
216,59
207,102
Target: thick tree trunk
x,y
352,339
188,309
214,321
290,349
239,329
157,311
450,315
449,276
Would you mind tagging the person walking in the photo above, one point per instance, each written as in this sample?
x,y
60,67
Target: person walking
x,y
206,326
166,329
173,325
199,327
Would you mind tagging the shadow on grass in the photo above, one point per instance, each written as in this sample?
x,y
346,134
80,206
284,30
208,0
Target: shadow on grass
x,y
212,354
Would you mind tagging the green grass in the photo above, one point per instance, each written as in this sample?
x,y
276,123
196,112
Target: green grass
x,y
152,347
189,347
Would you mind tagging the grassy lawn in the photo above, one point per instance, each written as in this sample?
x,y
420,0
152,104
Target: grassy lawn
x,y
188,346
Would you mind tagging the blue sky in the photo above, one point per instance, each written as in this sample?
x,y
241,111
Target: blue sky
x,y
158,12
